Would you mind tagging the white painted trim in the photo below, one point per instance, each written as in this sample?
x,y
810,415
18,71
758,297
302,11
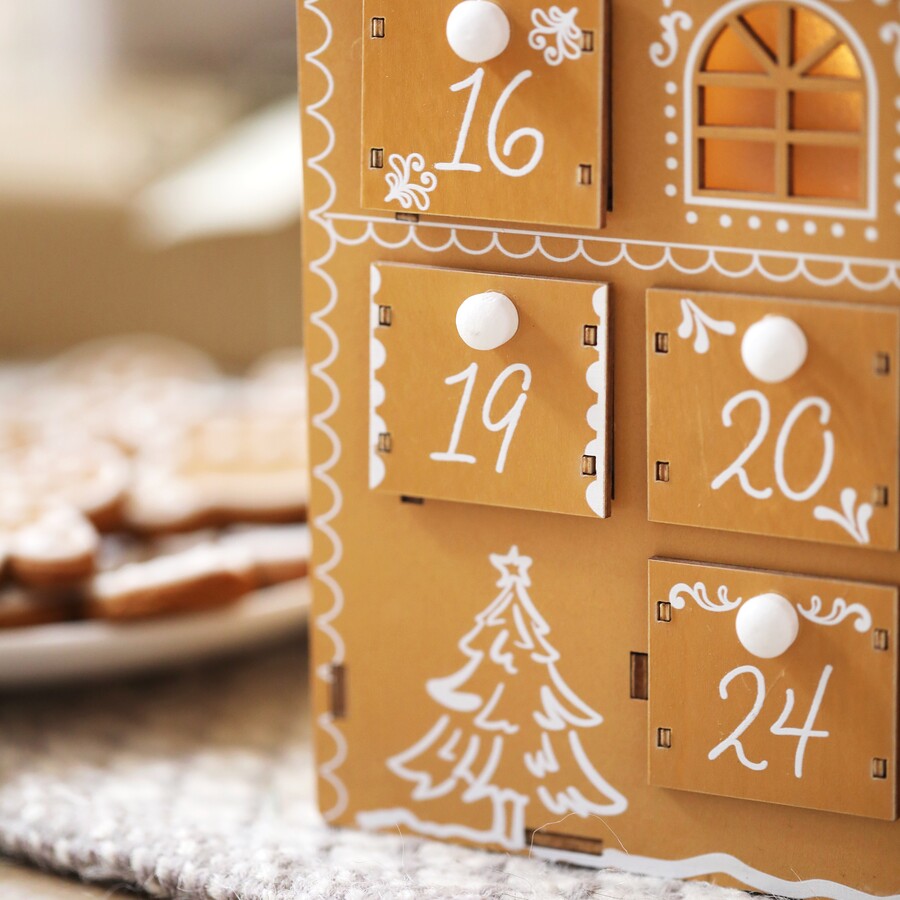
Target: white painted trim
x,y
322,521
888,271
809,209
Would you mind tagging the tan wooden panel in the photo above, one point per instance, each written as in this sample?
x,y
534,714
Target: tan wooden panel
x,y
813,457
524,425
527,120
814,727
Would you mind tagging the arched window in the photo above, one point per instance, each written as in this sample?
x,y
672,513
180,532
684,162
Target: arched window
x,y
779,111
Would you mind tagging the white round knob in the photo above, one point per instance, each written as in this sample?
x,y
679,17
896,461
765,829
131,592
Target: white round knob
x,y
767,625
774,349
477,30
487,321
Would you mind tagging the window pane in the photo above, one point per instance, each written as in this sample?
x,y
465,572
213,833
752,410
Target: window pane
x,y
763,22
827,110
811,31
737,106
746,166
826,172
728,53
840,63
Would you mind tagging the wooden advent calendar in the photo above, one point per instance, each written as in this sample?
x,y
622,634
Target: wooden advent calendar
x,y
604,341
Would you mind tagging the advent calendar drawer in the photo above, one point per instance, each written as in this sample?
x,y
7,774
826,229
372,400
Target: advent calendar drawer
x,y
477,110
522,421
776,417
774,687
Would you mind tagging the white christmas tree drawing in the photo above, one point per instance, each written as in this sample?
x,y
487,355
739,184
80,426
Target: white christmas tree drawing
x,y
507,720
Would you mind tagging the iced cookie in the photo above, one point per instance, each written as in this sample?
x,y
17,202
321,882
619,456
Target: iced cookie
x,y
45,544
279,552
91,476
245,466
199,578
134,390
21,607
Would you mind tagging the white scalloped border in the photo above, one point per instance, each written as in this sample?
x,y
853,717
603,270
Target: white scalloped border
x,y
597,377
377,357
322,521
693,867
800,266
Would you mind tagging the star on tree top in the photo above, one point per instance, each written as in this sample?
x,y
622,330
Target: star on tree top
x,y
513,567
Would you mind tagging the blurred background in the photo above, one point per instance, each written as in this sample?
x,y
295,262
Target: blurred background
x,y
149,174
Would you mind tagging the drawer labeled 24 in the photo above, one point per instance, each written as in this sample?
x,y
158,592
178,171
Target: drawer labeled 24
x,y
490,389
774,687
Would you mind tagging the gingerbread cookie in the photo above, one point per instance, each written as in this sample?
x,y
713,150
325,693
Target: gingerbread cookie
x,y
199,578
242,466
91,476
22,608
279,552
45,543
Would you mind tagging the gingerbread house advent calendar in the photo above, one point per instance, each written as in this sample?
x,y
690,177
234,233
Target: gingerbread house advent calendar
x,y
603,325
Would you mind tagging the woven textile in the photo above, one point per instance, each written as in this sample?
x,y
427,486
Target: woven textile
x,y
200,785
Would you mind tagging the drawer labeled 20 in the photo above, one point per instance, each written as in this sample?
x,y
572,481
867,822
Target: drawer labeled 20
x,y
490,389
775,417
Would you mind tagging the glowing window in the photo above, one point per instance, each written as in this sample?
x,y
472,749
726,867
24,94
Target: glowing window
x,y
780,110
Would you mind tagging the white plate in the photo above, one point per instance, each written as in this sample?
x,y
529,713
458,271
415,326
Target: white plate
x,y
75,651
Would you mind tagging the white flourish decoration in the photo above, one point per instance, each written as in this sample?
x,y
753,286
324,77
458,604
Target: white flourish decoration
x,y
840,610
664,51
401,185
694,320
890,34
699,595
854,520
561,27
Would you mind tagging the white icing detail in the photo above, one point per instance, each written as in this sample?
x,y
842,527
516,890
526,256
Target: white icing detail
x,y
377,357
699,595
870,211
514,136
401,186
737,467
270,544
55,534
508,422
852,518
733,741
774,349
597,376
468,375
475,744
827,453
847,269
477,30
326,562
561,28
695,321
706,865
806,732
664,51
474,81
487,321
767,625
840,610
890,34
784,435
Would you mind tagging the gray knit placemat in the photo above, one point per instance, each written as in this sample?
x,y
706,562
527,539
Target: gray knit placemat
x,y
200,785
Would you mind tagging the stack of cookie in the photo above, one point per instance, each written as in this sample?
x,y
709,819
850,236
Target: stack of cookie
x,y
136,480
